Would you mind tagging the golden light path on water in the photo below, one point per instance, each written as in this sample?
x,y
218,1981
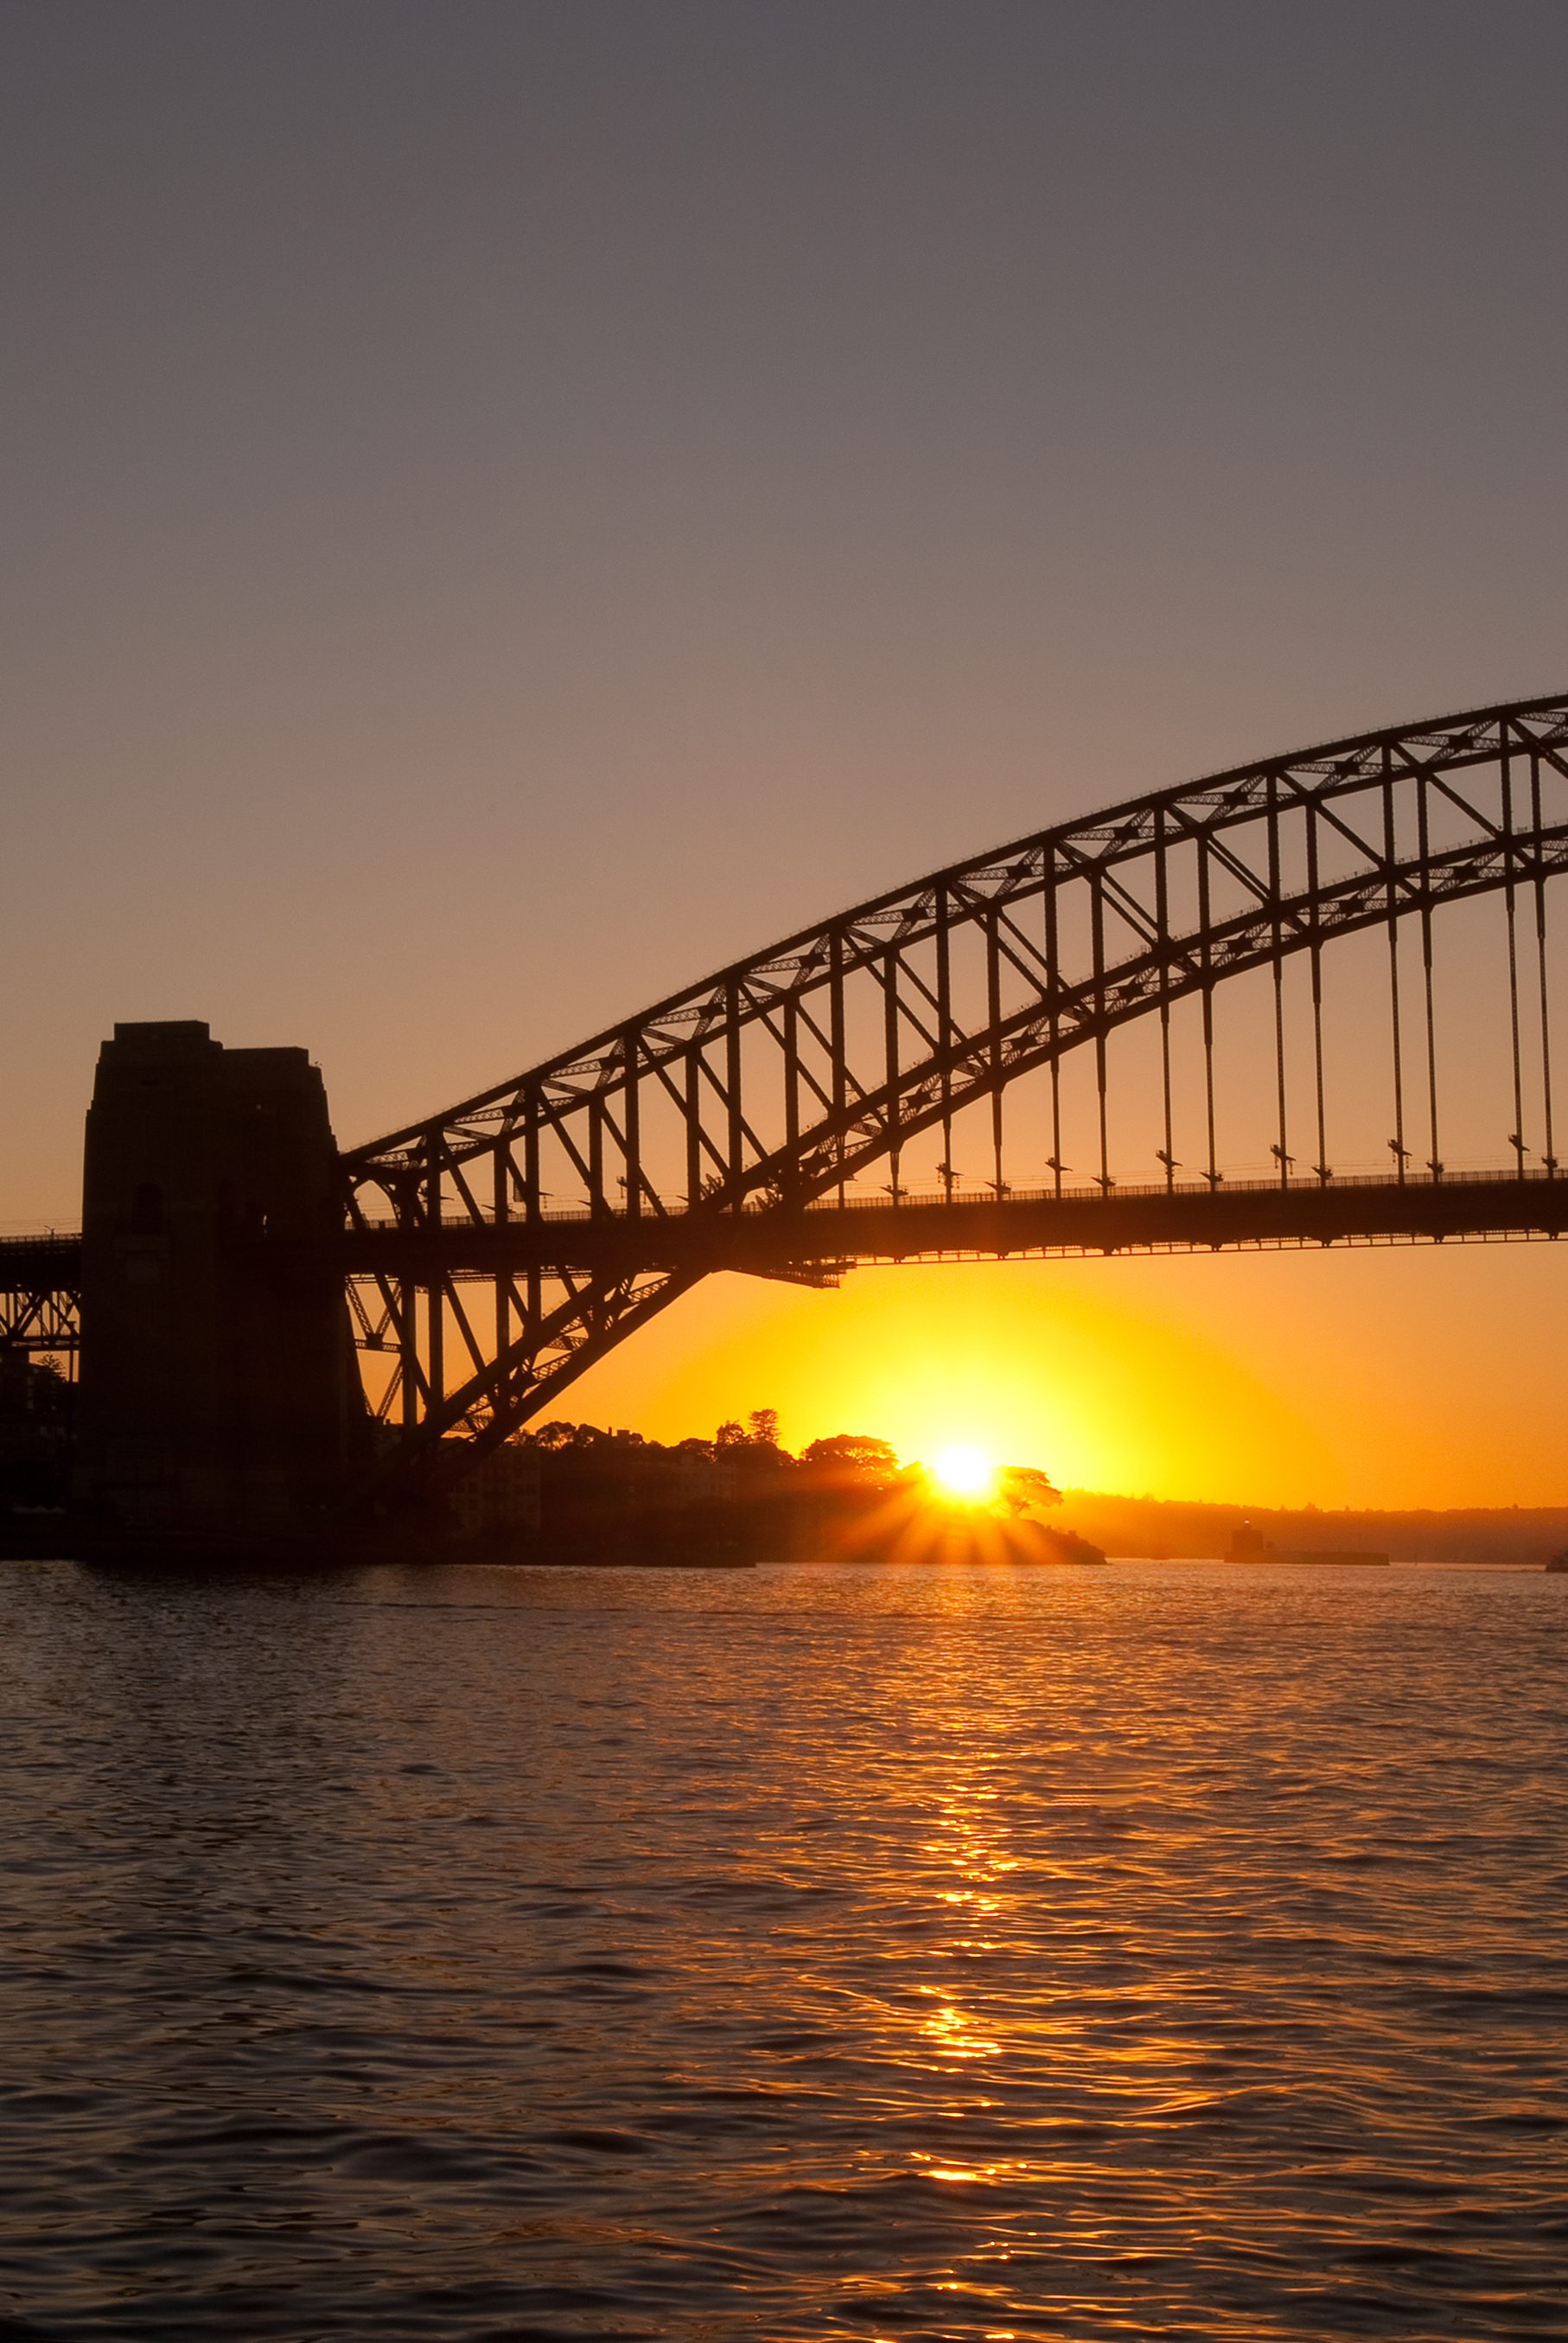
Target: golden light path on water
x,y
960,1952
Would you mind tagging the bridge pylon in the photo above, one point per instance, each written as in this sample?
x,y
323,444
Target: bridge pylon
x,y
218,1395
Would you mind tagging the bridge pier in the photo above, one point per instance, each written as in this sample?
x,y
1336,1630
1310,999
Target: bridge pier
x,y
219,1400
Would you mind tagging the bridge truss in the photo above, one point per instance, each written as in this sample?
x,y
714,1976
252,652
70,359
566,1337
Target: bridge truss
x,y
41,1294
976,1019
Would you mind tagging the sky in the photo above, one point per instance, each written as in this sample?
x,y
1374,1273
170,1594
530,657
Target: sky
x,y
508,507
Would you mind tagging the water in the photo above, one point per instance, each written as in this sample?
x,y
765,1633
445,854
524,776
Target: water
x,y
476,1954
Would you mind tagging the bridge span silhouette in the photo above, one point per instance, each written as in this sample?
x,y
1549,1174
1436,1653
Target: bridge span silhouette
x,y
1308,1001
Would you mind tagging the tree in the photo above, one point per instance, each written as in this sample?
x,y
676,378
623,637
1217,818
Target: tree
x,y
852,1456
764,1423
549,1436
1023,1489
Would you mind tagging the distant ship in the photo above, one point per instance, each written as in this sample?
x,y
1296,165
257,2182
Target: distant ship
x,y
1248,1545
1559,1561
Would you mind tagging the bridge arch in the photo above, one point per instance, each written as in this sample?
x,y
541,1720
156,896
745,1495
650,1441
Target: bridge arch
x,y
497,1249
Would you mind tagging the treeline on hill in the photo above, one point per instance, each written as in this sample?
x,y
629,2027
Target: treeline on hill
x,y
589,1494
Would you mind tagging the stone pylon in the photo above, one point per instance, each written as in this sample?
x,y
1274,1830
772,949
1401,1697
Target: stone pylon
x,y
218,1393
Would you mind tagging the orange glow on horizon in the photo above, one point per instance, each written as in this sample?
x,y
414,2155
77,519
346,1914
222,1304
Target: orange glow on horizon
x,y
1378,1378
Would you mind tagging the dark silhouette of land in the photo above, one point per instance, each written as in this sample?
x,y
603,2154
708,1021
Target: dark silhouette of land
x,y
573,1492
583,1492
576,1492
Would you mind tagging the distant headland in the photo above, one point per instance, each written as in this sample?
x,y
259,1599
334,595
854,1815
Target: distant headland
x,y
1179,1529
576,1492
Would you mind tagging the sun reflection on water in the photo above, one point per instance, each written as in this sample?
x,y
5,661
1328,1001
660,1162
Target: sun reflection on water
x,y
957,1944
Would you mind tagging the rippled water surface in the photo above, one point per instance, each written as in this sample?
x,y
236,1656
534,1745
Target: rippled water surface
x,y
476,1954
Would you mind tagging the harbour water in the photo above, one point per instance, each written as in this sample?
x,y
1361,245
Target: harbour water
x,y
479,1954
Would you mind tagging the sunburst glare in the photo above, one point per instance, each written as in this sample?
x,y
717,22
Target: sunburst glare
x,y
964,1472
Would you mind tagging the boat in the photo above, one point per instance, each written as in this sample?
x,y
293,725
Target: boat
x,y
1559,1561
1248,1545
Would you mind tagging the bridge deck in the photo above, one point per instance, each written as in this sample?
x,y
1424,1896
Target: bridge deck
x,y
1121,1219
40,1264
774,1240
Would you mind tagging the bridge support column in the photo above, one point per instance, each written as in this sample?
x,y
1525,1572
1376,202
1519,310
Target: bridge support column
x,y
219,1398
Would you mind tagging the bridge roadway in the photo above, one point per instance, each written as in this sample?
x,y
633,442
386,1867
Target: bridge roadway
x,y
40,1264
775,1241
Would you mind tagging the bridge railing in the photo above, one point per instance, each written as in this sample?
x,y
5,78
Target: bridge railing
x,y
1090,1191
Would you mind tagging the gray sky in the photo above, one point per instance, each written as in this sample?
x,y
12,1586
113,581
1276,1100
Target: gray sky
x,y
507,506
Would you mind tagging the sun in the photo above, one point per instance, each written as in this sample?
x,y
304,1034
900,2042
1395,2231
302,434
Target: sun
x,y
964,1472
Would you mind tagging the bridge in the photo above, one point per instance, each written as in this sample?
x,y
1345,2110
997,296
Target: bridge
x,y
1306,1002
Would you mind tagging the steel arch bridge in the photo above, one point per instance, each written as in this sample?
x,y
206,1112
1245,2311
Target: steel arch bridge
x,y
495,1251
